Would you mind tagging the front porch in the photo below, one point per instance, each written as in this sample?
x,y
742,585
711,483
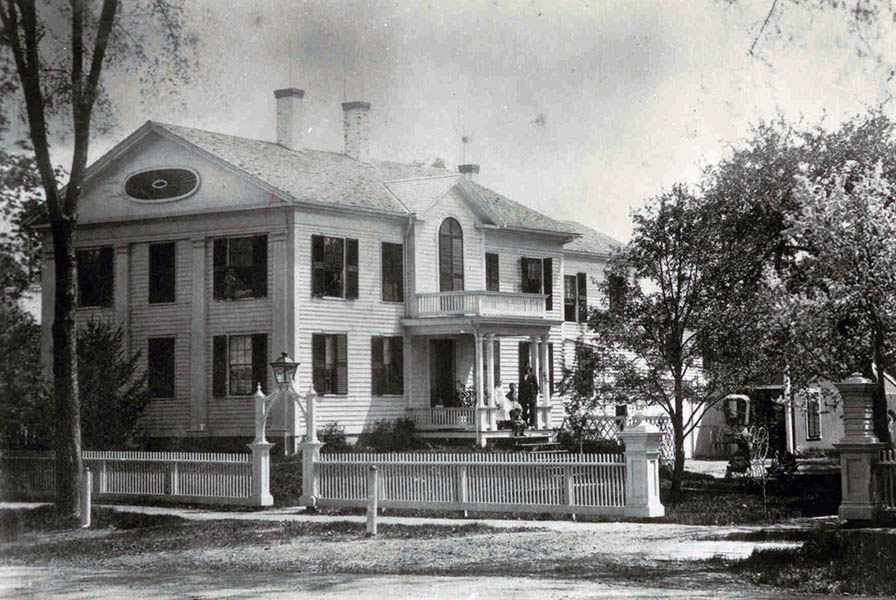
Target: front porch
x,y
467,348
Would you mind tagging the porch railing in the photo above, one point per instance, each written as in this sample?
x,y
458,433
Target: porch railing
x,y
481,304
439,417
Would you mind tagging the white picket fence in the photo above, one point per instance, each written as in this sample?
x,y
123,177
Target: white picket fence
x,y
511,482
886,477
203,478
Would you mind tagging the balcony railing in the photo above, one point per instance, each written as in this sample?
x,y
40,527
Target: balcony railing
x,y
480,304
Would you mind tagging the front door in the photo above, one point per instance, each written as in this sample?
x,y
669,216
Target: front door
x,y
441,373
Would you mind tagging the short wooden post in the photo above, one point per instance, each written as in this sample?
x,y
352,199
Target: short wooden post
x,y
642,473
372,493
859,450
86,489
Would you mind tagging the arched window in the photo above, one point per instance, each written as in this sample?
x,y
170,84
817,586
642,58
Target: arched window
x,y
451,256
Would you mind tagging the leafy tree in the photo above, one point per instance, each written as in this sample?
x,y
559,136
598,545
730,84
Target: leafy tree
x,y
652,343
750,201
113,391
52,60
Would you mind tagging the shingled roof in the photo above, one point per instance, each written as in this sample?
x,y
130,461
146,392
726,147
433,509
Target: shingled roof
x,y
590,240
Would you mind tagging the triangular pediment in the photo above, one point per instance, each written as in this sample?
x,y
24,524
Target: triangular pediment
x,y
220,187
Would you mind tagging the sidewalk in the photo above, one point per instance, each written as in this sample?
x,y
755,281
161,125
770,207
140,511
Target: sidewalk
x,y
655,541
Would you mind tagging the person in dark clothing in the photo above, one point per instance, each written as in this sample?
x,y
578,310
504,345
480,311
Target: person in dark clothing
x,y
532,384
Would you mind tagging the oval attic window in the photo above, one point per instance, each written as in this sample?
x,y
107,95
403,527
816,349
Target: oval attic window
x,y
161,185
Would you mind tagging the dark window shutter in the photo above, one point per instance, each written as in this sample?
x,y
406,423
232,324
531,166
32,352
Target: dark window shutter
x,y
219,260
341,364
160,367
397,370
551,366
107,276
497,363
582,285
259,361
376,366
548,275
524,274
351,268
260,264
317,265
318,363
219,366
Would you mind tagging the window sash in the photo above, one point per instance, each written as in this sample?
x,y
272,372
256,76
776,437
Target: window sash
x,y
393,272
239,365
162,272
451,256
160,367
492,272
813,420
329,363
570,298
240,267
96,277
387,366
334,267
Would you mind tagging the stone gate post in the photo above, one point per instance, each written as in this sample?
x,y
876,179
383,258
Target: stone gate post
x,y
859,450
642,470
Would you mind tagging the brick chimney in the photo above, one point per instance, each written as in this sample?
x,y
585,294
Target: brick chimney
x,y
469,171
289,117
357,130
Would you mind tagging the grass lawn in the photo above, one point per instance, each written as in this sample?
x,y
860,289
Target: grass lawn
x,y
837,562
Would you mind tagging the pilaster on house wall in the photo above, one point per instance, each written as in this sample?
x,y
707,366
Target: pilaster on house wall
x,y
280,419
121,289
198,340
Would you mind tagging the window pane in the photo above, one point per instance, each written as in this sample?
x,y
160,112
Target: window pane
x,y
240,363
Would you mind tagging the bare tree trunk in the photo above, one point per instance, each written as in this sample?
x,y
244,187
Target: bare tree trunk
x,y
678,439
65,382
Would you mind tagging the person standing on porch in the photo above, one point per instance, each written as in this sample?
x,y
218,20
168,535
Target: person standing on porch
x,y
528,389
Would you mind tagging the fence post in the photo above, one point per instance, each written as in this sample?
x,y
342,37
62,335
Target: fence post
x,y
104,478
372,492
642,470
261,474
859,450
86,490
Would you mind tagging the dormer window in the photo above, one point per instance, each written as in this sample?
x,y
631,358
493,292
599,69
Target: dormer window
x,y
161,185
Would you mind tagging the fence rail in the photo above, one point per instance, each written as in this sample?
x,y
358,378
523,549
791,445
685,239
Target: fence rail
x,y
510,482
211,478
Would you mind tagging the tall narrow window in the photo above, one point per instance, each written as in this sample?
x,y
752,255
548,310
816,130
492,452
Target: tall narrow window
x,y
813,420
570,298
537,278
161,273
616,292
329,358
160,367
451,256
240,267
393,272
334,267
96,276
239,364
492,276
387,366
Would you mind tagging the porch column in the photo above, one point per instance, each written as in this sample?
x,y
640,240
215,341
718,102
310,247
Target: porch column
x,y
481,409
544,384
283,415
490,380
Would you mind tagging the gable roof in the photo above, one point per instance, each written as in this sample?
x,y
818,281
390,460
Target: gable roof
x,y
419,194
590,240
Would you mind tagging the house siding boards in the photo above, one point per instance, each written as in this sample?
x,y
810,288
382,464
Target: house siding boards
x,y
359,319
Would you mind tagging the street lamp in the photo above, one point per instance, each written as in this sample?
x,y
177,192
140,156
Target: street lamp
x,y
284,370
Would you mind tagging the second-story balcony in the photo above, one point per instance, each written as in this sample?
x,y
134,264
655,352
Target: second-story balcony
x,y
481,304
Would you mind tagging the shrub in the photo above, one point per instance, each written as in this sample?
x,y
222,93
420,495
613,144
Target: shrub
x,y
286,481
571,442
390,436
333,436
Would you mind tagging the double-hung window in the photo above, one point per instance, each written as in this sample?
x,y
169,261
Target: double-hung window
x,y
334,267
537,278
813,420
96,277
329,363
162,270
616,287
160,367
239,364
575,298
387,366
492,275
393,272
240,267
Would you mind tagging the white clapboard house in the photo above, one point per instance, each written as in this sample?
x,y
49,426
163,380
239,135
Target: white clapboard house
x,y
393,285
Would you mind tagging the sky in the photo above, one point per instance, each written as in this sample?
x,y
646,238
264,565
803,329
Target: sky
x,y
582,110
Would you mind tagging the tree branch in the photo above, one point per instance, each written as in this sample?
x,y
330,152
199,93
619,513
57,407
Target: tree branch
x,y
762,29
